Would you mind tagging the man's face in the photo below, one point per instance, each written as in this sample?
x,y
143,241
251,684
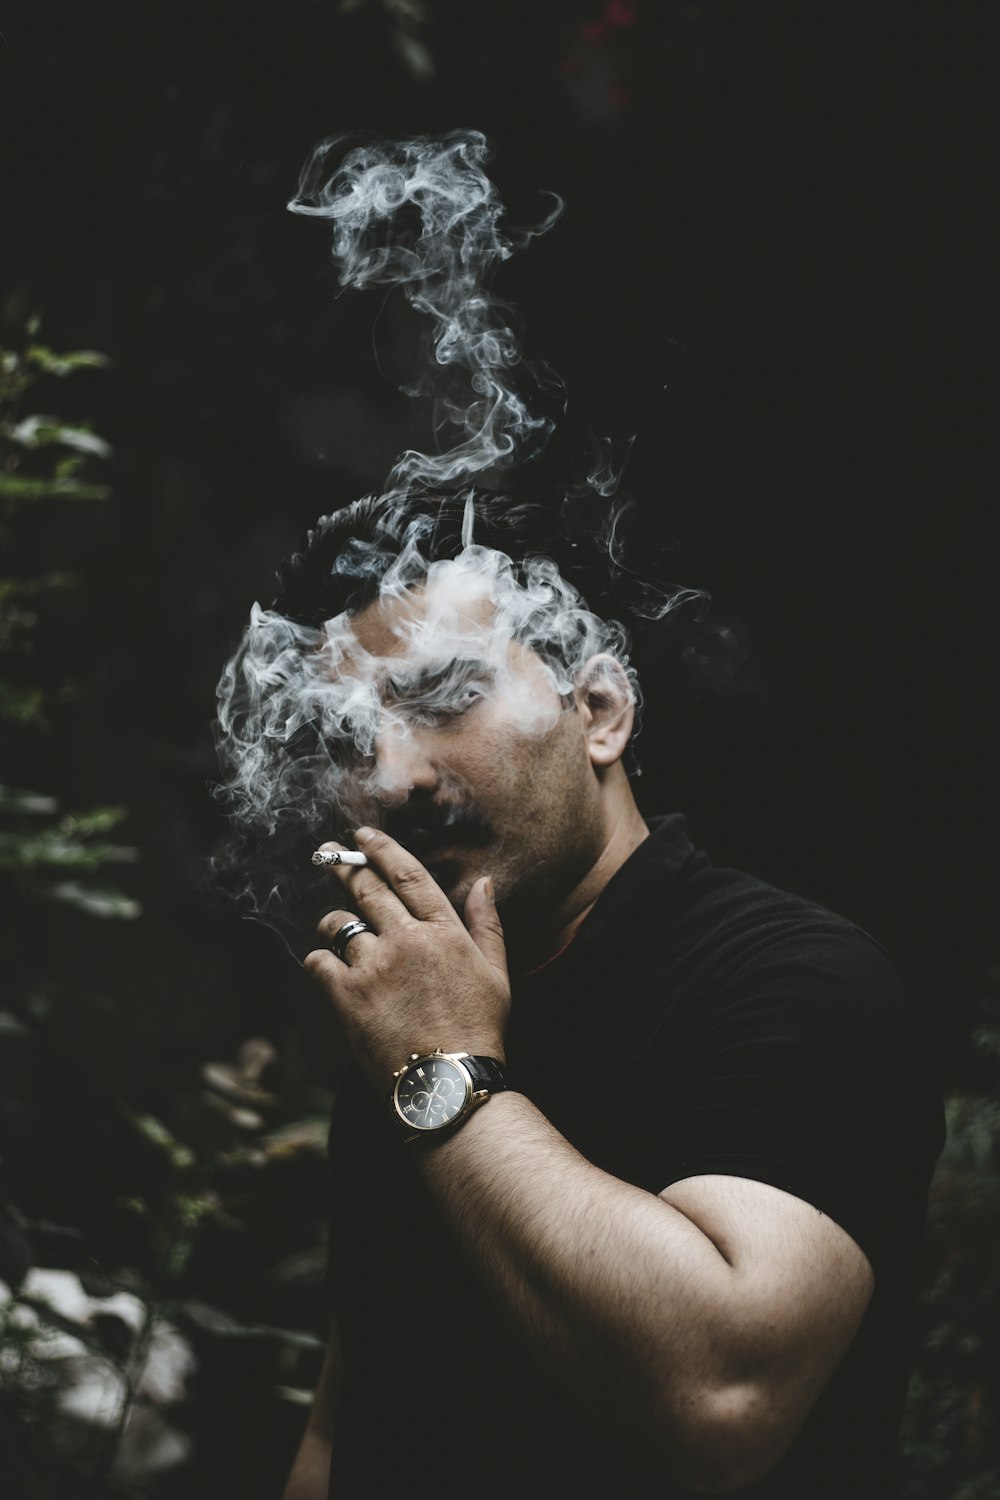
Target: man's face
x,y
470,756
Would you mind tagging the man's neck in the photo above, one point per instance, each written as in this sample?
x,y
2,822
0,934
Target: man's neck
x,y
533,947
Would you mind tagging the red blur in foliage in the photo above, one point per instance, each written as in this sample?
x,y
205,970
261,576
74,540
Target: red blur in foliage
x,y
620,14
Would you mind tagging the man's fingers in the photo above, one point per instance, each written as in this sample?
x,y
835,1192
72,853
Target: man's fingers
x,y
345,934
368,890
483,921
407,880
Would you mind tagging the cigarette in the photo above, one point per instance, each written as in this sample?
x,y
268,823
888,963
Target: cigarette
x,y
339,857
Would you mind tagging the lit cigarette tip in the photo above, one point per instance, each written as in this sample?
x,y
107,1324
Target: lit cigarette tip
x,y
339,857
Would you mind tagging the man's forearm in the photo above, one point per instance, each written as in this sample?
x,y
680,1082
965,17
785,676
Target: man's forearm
x,y
628,1305
603,1280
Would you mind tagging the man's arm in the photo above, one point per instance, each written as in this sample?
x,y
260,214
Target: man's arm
x,y
310,1474
698,1326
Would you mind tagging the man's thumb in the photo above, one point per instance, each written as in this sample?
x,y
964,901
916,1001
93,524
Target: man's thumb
x,y
483,921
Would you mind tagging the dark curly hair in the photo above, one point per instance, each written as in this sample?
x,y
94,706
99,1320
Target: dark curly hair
x,y
577,592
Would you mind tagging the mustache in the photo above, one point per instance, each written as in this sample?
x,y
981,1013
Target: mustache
x,y
420,825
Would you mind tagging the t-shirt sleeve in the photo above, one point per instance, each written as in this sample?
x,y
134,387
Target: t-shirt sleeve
x,y
804,1071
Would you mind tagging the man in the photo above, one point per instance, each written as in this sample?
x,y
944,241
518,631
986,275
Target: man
x,y
630,1161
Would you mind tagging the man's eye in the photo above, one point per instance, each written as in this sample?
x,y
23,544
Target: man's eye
x,y
452,707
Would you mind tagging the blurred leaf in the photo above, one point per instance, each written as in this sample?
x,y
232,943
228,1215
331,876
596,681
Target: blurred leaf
x,y
304,1266
97,820
20,487
238,1115
16,625
14,800
65,846
416,57
255,1054
158,1135
213,1320
298,1395
239,1082
191,1208
50,363
298,1135
40,431
137,1206
21,705
96,901
986,1040
27,588
407,12
950,1423
241,1156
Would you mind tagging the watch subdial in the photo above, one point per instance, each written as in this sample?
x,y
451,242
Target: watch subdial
x,y
436,1103
432,1098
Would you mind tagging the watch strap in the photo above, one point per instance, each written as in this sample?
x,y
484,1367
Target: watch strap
x,y
486,1072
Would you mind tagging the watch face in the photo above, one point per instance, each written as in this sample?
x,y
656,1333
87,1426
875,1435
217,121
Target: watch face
x,y
432,1093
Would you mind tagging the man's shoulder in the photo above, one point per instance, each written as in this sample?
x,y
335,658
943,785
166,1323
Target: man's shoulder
x,y
736,938
673,877
763,924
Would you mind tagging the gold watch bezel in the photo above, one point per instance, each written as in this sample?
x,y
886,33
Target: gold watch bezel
x,y
423,1132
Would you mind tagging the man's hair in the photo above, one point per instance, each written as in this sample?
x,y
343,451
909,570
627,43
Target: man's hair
x,y
352,555
349,552
562,586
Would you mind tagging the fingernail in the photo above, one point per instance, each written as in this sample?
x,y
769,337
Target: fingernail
x,y
362,835
489,886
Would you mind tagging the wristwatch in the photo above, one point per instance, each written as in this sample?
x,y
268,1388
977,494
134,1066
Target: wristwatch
x,y
434,1092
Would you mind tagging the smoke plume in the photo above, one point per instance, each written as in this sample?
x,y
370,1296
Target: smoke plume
x,y
421,215
313,726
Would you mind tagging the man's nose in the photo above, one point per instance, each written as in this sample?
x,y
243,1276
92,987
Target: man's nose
x,y
403,762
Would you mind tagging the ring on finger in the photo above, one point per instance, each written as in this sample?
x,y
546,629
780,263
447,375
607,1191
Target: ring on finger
x,y
343,935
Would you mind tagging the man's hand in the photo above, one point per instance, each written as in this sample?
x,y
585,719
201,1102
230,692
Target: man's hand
x,y
419,979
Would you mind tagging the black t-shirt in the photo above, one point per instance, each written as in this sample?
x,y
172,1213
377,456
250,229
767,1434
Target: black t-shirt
x,y
699,1022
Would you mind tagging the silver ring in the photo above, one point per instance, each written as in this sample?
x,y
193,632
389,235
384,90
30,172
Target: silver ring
x,y
343,935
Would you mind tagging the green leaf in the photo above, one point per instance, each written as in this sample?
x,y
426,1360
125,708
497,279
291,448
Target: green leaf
x,y
308,1134
21,705
154,1131
96,901
15,800
21,488
42,431
97,820
297,1395
27,588
50,363
54,847
986,1040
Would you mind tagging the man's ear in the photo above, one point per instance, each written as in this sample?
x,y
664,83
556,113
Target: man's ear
x,y
605,698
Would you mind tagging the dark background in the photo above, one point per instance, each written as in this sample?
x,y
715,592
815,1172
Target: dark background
x,y
775,269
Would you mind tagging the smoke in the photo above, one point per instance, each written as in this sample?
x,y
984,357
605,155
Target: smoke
x,y
319,732
421,215
318,721
454,624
